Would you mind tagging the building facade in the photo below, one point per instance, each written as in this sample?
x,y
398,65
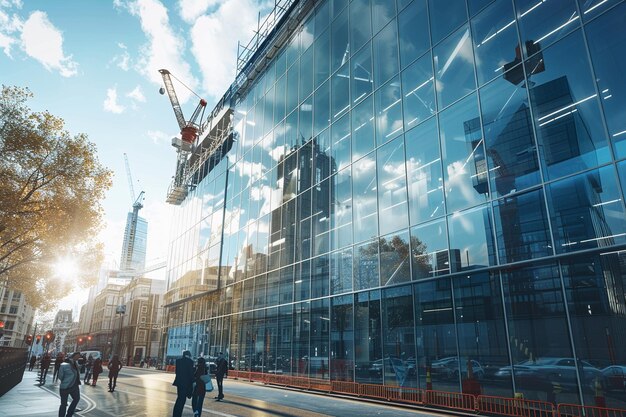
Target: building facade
x,y
60,327
417,192
17,316
133,256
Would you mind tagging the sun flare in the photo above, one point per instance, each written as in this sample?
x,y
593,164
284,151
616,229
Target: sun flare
x,y
65,267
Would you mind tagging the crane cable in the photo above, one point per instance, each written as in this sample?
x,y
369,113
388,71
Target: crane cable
x,y
185,85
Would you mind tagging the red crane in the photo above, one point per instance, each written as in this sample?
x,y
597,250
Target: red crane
x,y
189,130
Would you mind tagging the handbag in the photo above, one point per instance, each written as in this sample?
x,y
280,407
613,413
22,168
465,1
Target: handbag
x,y
208,384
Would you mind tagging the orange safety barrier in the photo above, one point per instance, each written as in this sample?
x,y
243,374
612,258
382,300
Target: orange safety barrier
x,y
320,385
374,391
516,407
456,400
573,410
345,387
410,395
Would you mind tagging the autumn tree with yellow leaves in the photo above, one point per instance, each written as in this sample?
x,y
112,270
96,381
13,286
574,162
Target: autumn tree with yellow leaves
x,y
51,186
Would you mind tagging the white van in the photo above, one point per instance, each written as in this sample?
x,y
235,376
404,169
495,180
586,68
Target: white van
x,y
95,354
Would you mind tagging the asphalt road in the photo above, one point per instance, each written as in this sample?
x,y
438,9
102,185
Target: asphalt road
x,y
142,392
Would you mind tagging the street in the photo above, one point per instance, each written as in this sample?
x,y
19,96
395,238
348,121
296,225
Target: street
x,y
143,392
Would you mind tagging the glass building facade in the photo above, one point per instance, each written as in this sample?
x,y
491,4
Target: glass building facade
x,y
421,189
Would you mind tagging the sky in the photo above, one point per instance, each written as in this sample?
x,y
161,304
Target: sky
x,y
95,64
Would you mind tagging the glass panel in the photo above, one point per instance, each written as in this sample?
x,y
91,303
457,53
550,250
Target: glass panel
x,y
320,327
340,92
545,21
341,143
476,5
363,136
342,339
594,286
279,104
483,347
454,67
413,30
306,74
340,41
423,165
292,89
382,13
435,335
567,116
321,117
338,6
522,227
399,364
341,209
509,139
302,282
392,193
320,268
285,332
495,40
471,239
341,271
445,16
322,58
587,211
429,249
286,285
388,111
465,168
539,335
361,76
367,336
607,37
361,23
302,331
366,265
364,197
394,259
592,8
419,92
385,46
320,221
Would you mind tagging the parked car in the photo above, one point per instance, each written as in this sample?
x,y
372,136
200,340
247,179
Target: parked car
x,y
449,368
554,370
615,377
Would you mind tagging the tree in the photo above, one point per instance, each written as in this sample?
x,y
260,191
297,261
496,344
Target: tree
x,y
51,185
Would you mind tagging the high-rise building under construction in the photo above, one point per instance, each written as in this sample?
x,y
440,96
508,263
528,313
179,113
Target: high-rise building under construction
x,y
415,193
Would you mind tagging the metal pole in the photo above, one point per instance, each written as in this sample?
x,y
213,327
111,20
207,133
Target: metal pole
x,y
30,350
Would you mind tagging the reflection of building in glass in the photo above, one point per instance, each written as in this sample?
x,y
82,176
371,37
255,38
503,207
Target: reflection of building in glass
x,y
508,264
134,245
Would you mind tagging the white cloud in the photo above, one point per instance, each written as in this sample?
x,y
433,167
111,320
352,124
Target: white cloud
x,y
110,103
158,137
190,10
164,48
9,3
136,95
9,25
122,60
42,41
214,37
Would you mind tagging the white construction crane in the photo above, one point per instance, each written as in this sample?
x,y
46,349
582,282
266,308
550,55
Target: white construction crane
x,y
127,252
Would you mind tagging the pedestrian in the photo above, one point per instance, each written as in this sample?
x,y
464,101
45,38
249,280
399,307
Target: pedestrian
x,y
57,363
183,382
222,371
97,370
31,363
69,376
88,369
199,390
114,369
45,366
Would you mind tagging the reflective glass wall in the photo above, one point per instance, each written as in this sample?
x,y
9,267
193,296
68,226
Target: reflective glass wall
x,y
424,193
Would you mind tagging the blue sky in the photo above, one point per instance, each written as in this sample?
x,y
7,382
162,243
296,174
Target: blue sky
x,y
94,63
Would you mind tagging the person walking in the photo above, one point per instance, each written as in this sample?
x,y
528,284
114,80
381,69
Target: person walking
x,y
114,369
45,366
69,376
183,382
220,373
199,387
97,370
31,363
57,364
88,368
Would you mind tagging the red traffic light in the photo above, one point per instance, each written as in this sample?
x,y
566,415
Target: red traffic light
x,y
89,338
1,324
38,339
80,340
29,339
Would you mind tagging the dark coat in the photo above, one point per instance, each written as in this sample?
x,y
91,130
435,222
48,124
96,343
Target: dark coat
x,y
222,367
184,373
114,367
200,386
97,367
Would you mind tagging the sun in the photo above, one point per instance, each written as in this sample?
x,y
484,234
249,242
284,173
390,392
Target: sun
x,y
65,267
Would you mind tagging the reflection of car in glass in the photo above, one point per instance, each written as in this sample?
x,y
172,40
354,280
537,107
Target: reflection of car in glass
x,y
449,368
390,364
615,377
554,370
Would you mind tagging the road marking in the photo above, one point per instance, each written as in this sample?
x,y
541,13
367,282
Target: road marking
x,y
91,404
216,413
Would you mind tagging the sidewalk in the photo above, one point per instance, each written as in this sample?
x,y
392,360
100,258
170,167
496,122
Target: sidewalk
x,y
29,399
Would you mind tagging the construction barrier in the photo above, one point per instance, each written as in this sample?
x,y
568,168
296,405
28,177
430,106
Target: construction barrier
x,y
455,400
345,387
573,410
514,407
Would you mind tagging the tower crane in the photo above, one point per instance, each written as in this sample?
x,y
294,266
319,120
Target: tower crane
x,y
131,233
189,132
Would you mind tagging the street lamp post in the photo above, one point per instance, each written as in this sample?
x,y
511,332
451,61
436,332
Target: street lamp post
x,y
121,310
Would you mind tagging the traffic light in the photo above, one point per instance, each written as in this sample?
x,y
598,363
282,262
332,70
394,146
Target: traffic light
x,y
49,336
38,339
1,328
80,340
89,338
29,339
